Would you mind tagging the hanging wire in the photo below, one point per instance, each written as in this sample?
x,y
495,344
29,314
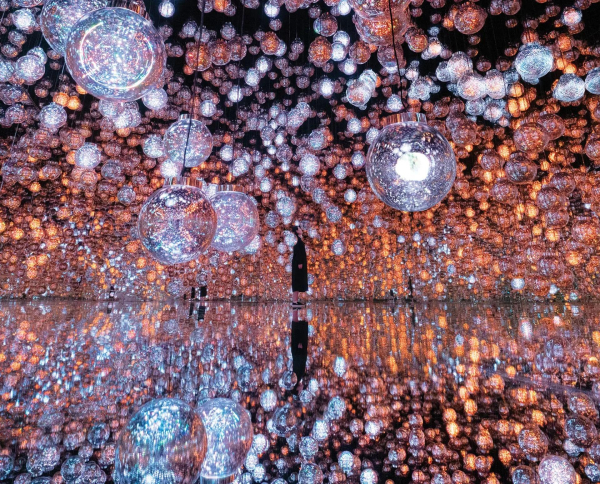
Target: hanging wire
x,y
389,2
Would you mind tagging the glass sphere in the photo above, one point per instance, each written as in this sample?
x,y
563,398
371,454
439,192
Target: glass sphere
x,y
569,88
592,81
59,16
237,221
53,116
534,61
177,223
154,146
115,54
155,99
88,156
554,469
164,441
411,166
229,432
193,134
30,68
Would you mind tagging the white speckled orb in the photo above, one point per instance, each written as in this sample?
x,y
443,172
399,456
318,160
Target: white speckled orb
x,y
229,433
177,224
155,99
170,169
23,19
193,134
569,88
411,166
592,81
237,221
165,441
154,146
53,116
59,16
30,68
88,156
534,61
115,54
310,473
555,469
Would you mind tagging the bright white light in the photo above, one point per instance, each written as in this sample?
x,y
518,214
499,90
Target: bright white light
x,y
412,166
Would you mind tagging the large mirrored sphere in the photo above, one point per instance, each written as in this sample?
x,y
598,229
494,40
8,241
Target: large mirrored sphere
x,y
237,221
164,442
193,134
115,54
59,16
177,224
229,433
411,166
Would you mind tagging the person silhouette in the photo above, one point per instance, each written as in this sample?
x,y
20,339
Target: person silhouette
x,y
299,343
299,269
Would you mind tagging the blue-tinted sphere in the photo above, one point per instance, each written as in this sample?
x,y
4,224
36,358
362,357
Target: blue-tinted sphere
x,y
237,221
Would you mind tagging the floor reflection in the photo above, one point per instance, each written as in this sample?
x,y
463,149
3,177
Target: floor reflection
x,y
368,392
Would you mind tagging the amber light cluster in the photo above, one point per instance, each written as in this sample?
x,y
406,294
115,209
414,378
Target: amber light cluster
x,y
430,393
291,121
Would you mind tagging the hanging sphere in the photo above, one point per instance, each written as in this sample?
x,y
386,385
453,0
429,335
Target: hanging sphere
x,y
165,441
229,432
88,156
59,16
177,224
53,116
411,166
193,134
115,54
534,61
237,221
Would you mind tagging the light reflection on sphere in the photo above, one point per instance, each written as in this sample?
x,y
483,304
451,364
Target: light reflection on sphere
x,y
237,221
154,146
29,68
229,435
193,134
53,116
59,16
165,441
177,223
155,99
533,61
554,469
88,156
411,166
115,54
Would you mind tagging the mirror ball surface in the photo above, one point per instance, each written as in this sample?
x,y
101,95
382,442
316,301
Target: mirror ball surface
x,y
354,392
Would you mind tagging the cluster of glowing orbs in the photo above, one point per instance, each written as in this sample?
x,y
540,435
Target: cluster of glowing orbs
x,y
115,54
229,434
188,141
237,221
164,441
411,166
177,223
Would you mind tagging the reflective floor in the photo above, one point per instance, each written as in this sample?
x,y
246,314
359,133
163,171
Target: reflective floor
x,y
440,394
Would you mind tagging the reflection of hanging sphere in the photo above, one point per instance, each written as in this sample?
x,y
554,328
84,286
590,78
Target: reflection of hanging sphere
x,y
229,433
411,166
237,221
115,54
164,441
59,16
177,223
193,134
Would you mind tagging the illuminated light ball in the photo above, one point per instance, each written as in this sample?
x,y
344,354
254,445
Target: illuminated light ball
x,y
30,68
410,166
285,206
59,16
350,195
155,99
268,400
571,16
166,9
592,81
374,8
110,109
517,283
458,65
193,134
177,223
309,165
530,137
254,246
553,125
237,221
154,146
340,171
310,473
533,62
338,247
326,25
471,86
368,476
208,108
126,195
469,18
88,156
319,51
229,434
252,77
115,54
533,442
569,88
23,19
7,69
53,116
358,160
554,469
235,94
519,169
165,441
333,213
